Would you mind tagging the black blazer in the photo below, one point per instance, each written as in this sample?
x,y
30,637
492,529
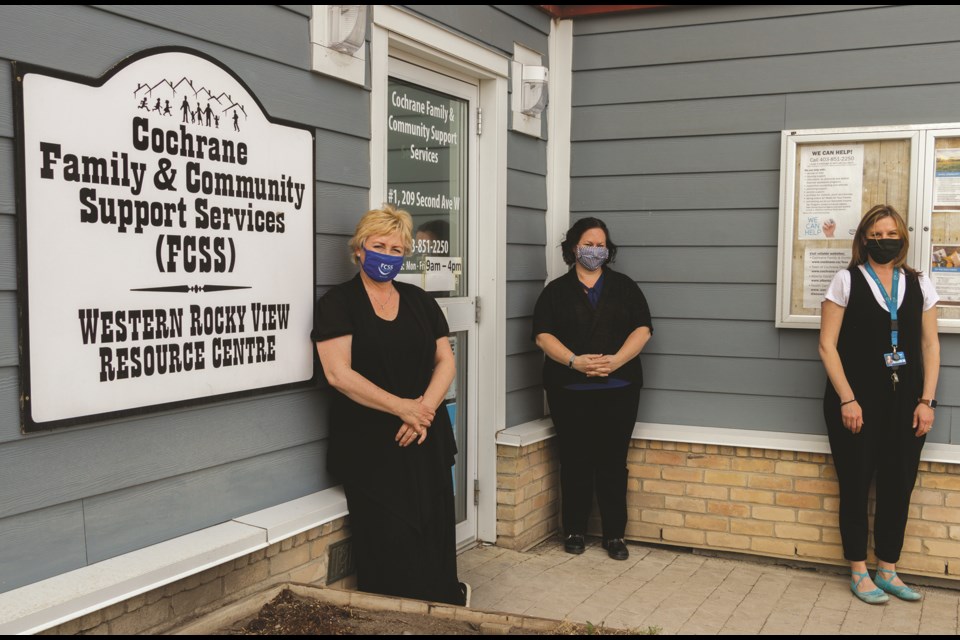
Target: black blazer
x,y
564,312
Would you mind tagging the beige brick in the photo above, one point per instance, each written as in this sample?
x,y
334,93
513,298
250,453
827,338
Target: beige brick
x,y
707,461
831,504
91,620
824,551
144,618
247,577
797,532
788,455
641,531
777,483
953,568
707,523
728,509
949,499
931,498
707,491
686,536
820,518
136,602
637,499
697,448
941,514
914,562
942,548
751,527
682,474
828,472
647,471
831,536
773,546
823,487
114,611
923,529
313,572
732,478
287,560
660,486
799,500
671,518
693,505
673,458
778,514
727,540
669,446
937,481
273,549
752,495
753,465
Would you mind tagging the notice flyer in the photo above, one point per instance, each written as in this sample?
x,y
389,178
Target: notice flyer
x,y
819,267
831,188
945,273
946,181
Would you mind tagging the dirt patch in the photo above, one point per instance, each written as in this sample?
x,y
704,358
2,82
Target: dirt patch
x,y
290,614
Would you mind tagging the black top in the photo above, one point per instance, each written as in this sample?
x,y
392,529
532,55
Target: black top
x,y
865,338
397,356
564,312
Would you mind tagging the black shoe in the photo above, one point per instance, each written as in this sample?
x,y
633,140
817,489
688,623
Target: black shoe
x,y
616,549
574,544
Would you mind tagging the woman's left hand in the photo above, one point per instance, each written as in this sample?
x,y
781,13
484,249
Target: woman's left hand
x,y
408,433
922,420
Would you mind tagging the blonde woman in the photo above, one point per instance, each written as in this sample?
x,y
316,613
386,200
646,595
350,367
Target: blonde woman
x,y
879,345
384,349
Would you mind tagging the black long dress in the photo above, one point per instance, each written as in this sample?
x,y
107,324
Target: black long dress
x,y
400,498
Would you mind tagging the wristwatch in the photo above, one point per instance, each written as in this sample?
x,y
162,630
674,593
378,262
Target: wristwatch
x,y
930,403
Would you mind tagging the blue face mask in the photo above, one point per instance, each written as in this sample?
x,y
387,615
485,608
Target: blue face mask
x,y
592,258
380,266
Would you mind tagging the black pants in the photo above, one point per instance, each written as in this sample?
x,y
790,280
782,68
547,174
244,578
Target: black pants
x,y
594,430
885,447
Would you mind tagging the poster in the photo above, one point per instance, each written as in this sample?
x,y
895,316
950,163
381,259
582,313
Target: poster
x,y
819,267
831,188
168,238
945,273
946,181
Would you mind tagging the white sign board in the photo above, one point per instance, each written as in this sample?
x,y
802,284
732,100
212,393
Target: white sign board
x,y
168,239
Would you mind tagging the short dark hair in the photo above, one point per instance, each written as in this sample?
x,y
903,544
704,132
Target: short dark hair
x,y
569,246
439,229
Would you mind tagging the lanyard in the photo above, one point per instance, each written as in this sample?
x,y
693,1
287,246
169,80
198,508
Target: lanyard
x,y
891,301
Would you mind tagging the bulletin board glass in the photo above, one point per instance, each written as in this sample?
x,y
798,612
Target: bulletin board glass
x,y
829,180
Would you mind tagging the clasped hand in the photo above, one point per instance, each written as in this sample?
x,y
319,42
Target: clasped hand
x,y
595,365
417,418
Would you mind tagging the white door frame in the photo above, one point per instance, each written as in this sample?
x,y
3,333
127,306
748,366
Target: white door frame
x,y
398,33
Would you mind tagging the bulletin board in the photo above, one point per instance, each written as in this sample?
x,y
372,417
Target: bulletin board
x,y
942,204
829,180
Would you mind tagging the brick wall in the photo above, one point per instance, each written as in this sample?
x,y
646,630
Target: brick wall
x,y
775,503
528,494
301,558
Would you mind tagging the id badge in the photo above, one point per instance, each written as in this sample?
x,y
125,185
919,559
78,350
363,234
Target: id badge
x,y
895,359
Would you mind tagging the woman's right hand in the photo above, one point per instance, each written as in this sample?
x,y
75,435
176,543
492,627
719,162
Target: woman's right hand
x,y
591,364
414,412
852,416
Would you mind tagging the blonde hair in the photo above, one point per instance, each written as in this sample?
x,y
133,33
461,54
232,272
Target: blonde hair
x,y
384,221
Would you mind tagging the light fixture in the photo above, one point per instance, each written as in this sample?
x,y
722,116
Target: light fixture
x,y
534,94
347,27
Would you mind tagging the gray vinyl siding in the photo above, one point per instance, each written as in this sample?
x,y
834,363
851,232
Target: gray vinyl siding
x,y
675,128
498,27
80,495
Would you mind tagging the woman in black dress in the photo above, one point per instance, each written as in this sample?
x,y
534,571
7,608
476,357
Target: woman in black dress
x,y
592,324
384,349
879,345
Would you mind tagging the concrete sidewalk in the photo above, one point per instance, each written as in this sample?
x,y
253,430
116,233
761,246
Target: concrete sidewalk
x,y
682,592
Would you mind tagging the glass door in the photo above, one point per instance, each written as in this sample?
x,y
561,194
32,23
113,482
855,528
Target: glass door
x,y
431,173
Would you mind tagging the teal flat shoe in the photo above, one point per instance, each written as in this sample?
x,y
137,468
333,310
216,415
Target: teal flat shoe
x,y
902,592
870,597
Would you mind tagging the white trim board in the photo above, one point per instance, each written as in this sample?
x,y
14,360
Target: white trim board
x,y
529,433
68,596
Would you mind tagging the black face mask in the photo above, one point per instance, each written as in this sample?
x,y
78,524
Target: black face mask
x,y
885,250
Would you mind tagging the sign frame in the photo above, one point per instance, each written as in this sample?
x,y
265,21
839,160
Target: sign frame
x,y
19,71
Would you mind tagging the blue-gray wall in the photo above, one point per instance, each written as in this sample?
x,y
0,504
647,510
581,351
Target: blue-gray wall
x,y
677,116
498,27
79,495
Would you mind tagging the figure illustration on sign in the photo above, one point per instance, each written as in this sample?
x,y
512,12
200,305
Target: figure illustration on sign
x,y
166,108
185,108
216,121
143,104
829,227
209,113
236,121
156,107
199,114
